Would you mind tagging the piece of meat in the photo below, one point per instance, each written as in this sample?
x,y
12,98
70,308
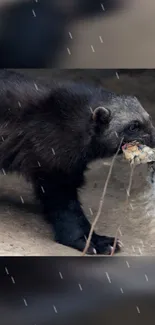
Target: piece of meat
x,y
137,153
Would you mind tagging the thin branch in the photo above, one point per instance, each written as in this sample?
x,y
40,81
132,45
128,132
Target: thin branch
x,y
127,201
101,201
115,242
130,182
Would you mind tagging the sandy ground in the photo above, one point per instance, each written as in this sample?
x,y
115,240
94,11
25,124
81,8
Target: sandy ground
x,y
22,230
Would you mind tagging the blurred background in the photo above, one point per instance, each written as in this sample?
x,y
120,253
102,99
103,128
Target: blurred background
x,y
77,33
60,291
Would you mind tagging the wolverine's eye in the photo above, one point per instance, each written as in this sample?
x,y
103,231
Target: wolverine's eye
x,y
134,127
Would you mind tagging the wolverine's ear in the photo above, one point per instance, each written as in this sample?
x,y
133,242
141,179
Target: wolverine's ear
x,y
102,115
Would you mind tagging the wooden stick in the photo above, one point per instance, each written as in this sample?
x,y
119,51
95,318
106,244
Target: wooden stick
x,y
101,201
130,183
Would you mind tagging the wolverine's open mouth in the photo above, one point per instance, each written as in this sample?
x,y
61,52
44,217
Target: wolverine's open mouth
x,y
138,140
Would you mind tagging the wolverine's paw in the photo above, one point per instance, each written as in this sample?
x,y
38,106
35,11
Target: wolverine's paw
x,y
102,245
106,245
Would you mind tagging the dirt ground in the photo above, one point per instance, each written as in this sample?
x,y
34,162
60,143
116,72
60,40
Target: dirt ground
x,y
22,230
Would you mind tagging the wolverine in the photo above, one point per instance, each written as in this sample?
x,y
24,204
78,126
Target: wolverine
x,y
51,131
